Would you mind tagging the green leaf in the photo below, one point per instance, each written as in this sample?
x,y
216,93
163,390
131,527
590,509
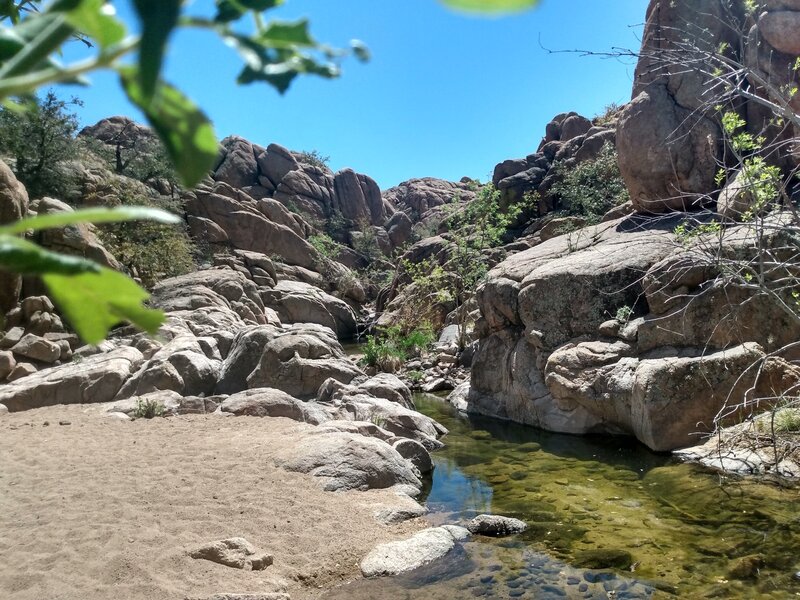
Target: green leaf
x,y
231,10
491,6
95,19
159,18
276,66
287,34
21,256
9,10
93,303
228,10
360,50
185,131
90,215
260,5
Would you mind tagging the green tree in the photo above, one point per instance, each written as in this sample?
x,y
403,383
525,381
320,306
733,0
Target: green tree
x,y
39,136
473,228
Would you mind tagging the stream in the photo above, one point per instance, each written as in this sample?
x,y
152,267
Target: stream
x,y
607,519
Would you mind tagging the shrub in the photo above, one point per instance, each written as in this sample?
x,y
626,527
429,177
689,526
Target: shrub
x,y
386,353
593,187
314,158
624,314
325,245
382,355
366,243
148,409
609,116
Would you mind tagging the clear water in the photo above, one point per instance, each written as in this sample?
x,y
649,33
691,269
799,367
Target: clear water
x,y
608,519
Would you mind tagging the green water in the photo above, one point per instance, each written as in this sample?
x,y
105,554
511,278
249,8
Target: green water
x,y
604,514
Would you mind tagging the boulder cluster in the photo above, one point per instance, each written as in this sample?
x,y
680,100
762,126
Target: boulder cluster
x,y
618,327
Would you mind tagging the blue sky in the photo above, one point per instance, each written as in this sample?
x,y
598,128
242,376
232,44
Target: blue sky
x,y
445,94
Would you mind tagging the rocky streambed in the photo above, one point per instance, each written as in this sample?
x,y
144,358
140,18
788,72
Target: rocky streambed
x,y
607,519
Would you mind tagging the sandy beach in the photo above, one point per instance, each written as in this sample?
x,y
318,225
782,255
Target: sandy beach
x,y
95,508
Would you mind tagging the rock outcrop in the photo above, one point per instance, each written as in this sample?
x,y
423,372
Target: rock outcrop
x,y
569,140
349,461
299,360
555,353
312,189
417,197
298,302
669,140
95,379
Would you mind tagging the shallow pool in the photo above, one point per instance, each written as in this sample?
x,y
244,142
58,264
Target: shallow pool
x,y
608,519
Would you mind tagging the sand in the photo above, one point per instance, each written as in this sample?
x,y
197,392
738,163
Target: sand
x,y
101,509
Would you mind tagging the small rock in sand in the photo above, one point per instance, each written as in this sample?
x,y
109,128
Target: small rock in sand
x,y
234,552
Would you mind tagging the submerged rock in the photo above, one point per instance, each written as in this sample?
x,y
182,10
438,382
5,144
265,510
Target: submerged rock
x,y
496,525
603,559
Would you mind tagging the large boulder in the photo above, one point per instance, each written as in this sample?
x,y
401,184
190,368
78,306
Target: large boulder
x,y
668,142
422,548
361,402
668,153
181,365
347,461
95,379
622,330
211,301
248,228
13,206
416,197
266,402
275,162
298,361
358,198
243,357
238,166
297,302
